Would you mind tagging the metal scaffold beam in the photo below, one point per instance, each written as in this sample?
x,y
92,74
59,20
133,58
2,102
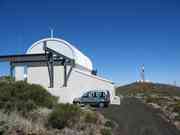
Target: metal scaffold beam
x,y
51,56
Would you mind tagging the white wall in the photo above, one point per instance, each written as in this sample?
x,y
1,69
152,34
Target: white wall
x,y
38,75
78,83
19,72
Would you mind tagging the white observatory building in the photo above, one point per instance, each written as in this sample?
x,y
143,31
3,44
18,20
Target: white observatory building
x,y
59,67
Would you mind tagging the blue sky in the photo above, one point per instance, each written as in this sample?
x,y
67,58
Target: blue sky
x,y
118,35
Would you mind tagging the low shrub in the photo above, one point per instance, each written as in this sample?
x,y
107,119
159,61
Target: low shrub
x,y
156,100
176,107
40,115
24,97
3,127
7,79
90,117
106,131
177,118
64,115
15,124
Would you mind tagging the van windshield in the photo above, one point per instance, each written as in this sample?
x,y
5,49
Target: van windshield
x,y
86,94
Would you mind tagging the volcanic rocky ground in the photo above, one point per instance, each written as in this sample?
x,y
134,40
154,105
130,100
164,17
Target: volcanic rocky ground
x,y
136,118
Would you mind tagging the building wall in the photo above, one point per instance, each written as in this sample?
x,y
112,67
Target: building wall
x,y
19,72
78,83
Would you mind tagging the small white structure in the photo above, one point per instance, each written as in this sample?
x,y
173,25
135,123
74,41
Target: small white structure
x,y
59,67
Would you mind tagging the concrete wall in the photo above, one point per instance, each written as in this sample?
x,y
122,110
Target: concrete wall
x,y
79,82
19,72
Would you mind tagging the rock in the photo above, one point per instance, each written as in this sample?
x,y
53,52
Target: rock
x,y
177,124
156,106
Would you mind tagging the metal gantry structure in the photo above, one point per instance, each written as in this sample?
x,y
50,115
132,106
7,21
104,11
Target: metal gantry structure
x,y
53,58
50,57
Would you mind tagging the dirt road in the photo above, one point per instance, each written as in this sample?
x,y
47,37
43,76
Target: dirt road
x,y
136,118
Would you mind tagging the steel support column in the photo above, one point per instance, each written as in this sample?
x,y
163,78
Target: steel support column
x,y
65,75
52,56
50,65
11,69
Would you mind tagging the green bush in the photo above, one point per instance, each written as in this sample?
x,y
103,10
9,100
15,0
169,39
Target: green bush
x,y
24,97
3,127
7,79
177,118
150,99
106,131
176,107
90,117
64,115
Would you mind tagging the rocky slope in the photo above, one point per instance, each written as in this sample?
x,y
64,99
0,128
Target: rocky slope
x,y
165,98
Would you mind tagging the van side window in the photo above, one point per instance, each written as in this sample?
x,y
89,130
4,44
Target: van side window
x,y
91,94
94,94
102,94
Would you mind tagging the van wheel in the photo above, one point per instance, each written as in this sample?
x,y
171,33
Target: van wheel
x,y
76,103
106,105
101,105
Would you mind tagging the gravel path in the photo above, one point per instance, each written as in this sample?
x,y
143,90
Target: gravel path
x,y
136,118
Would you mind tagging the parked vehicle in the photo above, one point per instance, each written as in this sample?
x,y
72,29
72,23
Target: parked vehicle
x,y
94,98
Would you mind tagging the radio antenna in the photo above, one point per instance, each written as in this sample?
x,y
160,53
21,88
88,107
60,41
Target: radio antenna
x,y
142,73
52,32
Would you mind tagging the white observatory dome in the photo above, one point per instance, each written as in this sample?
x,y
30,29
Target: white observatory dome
x,y
62,47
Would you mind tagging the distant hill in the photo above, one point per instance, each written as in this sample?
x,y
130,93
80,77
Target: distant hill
x,y
148,88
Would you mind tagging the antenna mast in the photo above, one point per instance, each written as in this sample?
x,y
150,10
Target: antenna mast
x,y
142,73
52,33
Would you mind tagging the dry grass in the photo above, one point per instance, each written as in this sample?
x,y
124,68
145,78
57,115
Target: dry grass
x,y
13,123
36,124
